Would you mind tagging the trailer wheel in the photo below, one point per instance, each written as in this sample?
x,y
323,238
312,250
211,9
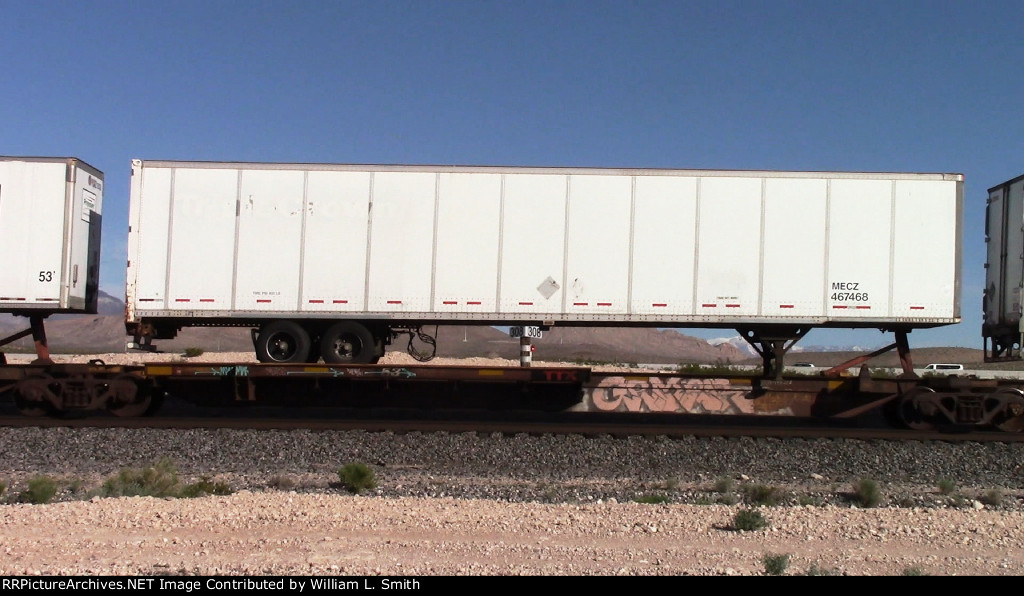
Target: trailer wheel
x,y
283,342
348,342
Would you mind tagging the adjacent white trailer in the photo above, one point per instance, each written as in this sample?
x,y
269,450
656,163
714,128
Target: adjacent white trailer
x,y
50,220
331,260
1004,271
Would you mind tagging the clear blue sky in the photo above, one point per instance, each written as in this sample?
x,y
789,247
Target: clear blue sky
x,y
906,86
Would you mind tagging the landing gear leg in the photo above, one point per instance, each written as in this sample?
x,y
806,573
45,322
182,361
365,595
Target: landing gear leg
x,y
772,343
38,332
902,348
39,337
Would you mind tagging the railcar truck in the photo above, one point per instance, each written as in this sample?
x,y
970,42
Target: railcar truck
x,y
333,262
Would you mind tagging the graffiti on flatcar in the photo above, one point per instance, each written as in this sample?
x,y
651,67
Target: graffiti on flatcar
x,y
392,372
225,371
669,394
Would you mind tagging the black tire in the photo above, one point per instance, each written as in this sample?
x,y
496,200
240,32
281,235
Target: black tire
x,y
283,342
348,342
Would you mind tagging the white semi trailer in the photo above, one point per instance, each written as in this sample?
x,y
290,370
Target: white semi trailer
x,y
1002,328
333,261
50,223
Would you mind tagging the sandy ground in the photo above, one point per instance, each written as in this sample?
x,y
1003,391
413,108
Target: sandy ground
x,y
316,534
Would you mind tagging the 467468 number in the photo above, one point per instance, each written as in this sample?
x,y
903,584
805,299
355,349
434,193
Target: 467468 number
x,y
849,296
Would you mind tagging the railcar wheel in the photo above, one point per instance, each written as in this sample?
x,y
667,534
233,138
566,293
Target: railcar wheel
x,y
348,342
30,396
129,399
283,342
916,410
1010,415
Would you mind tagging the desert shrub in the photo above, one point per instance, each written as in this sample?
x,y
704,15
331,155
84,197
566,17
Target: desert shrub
x,y
41,489
959,501
749,520
193,352
946,486
281,482
906,502
652,499
884,373
724,485
670,484
728,499
914,571
550,493
816,570
357,477
993,497
720,367
809,501
775,564
761,494
3,488
77,486
867,492
204,487
160,480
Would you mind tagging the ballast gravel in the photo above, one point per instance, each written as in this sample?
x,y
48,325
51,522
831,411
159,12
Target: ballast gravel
x,y
470,504
507,505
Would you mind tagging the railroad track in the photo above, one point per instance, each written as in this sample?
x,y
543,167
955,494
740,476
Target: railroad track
x,y
514,399
515,422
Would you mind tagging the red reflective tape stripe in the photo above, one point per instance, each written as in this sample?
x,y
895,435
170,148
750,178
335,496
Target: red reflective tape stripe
x,y
838,306
916,308
450,302
785,306
709,305
147,299
525,304
604,303
732,305
394,301
340,301
476,302
262,300
206,300
863,307
182,299
579,303
316,301
659,304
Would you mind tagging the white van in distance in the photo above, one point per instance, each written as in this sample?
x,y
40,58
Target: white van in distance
x,y
944,367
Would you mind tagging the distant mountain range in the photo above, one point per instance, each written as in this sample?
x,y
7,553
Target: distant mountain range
x,y
743,346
